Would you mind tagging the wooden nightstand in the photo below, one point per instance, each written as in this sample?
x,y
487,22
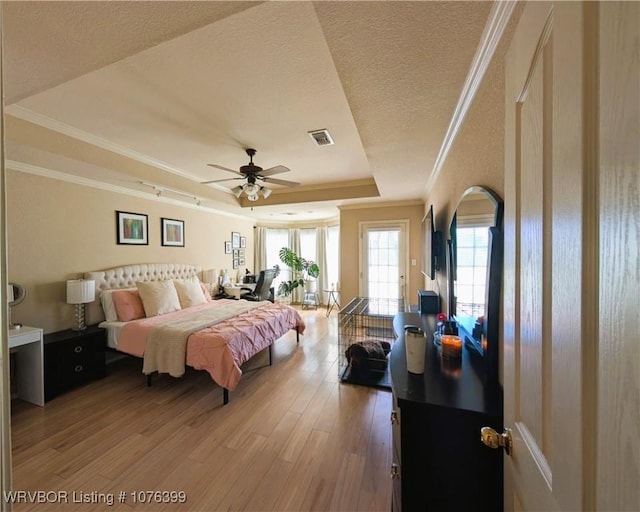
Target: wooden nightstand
x,y
73,358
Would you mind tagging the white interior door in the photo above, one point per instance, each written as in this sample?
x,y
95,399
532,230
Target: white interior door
x,y
546,250
383,259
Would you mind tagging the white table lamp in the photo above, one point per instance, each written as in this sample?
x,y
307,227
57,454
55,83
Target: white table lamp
x,y
80,292
210,278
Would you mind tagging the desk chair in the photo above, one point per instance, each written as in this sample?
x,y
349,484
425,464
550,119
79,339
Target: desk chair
x,y
263,289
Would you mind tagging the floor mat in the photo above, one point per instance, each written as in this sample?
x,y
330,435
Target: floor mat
x,y
373,378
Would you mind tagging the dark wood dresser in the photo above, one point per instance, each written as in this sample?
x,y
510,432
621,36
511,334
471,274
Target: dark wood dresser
x,y
439,462
72,358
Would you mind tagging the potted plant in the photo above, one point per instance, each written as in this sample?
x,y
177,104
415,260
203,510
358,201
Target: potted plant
x,y
302,272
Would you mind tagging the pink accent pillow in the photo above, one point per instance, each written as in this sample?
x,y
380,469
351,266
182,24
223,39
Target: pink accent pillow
x,y
128,305
207,295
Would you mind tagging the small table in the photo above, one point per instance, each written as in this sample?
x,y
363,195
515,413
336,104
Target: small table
x,y
27,341
310,299
332,300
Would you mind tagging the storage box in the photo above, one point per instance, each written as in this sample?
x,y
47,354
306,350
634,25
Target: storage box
x,y
428,302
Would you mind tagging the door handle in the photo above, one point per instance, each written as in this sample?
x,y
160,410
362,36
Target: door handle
x,y
492,439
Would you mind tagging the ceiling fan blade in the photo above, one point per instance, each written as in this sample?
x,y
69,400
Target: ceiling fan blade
x,y
218,181
277,181
224,169
274,170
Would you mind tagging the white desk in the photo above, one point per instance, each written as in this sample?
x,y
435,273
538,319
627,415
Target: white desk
x,y
235,290
27,342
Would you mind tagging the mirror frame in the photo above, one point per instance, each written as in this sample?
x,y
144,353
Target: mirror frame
x,y
19,297
491,327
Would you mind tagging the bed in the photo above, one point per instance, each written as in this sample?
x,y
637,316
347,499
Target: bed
x,y
164,315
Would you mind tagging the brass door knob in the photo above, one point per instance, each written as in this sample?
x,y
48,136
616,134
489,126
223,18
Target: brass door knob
x,y
394,418
492,439
395,471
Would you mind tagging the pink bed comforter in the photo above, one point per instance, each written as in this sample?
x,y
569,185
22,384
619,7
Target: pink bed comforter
x,y
222,348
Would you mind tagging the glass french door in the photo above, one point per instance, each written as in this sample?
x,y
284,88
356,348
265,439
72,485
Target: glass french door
x,y
383,259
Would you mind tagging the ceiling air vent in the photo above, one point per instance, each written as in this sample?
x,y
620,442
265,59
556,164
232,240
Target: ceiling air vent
x,y
321,137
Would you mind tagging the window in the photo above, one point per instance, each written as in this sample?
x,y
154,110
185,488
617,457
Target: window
x,y
275,239
333,257
308,244
383,267
471,277
308,248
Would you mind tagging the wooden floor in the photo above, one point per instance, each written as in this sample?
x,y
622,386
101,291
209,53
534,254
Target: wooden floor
x,y
291,438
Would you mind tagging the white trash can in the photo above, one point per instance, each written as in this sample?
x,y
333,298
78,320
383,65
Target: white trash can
x,y
415,343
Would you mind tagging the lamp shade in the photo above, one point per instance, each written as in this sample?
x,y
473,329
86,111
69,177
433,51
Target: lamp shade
x,y
210,276
80,291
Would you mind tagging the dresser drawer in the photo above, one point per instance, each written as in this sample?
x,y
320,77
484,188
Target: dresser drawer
x,y
395,432
72,359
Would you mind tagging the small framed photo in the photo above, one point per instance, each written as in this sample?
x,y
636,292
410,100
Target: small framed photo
x,y
227,247
172,232
241,262
236,254
235,263
132,228
241,253
243,242
235,240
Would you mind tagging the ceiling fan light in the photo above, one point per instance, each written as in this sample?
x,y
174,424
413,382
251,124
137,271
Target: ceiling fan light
x,y
237,191
251,189
252,197
265,192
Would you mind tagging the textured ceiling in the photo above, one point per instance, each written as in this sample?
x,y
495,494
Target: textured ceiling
x,y
125,92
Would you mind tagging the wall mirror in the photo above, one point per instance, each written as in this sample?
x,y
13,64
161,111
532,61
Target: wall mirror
x,y
16,293
474,253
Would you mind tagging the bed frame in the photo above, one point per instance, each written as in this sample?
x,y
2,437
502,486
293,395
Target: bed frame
x,y
127,276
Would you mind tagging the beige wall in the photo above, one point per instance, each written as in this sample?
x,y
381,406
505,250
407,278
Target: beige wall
x,y
476,157
58,230
349,245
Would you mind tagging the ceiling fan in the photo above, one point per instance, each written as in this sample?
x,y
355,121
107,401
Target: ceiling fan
x,y
252,173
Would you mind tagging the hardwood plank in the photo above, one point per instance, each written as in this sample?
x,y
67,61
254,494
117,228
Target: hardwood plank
x,y
303,472
291,438
349,479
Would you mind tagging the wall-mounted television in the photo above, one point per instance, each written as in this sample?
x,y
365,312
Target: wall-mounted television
x,y
431,245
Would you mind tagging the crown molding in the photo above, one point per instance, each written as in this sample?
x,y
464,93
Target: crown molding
x,y
382,204
324,223
14,165
57,126
493,30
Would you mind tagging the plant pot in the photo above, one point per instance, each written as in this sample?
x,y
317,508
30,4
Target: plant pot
x,y
284,299
310,285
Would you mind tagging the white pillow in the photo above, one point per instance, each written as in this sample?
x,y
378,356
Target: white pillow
x,y
158,297
110,314
189,292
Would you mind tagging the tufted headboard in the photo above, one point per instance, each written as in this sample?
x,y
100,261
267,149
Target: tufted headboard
x,y
126,277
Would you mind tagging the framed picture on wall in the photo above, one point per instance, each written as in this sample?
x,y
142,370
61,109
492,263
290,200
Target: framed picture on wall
x,y
132,228
227,247
241,262
172,232
241,253
235,240
235,263
236,254
243,242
